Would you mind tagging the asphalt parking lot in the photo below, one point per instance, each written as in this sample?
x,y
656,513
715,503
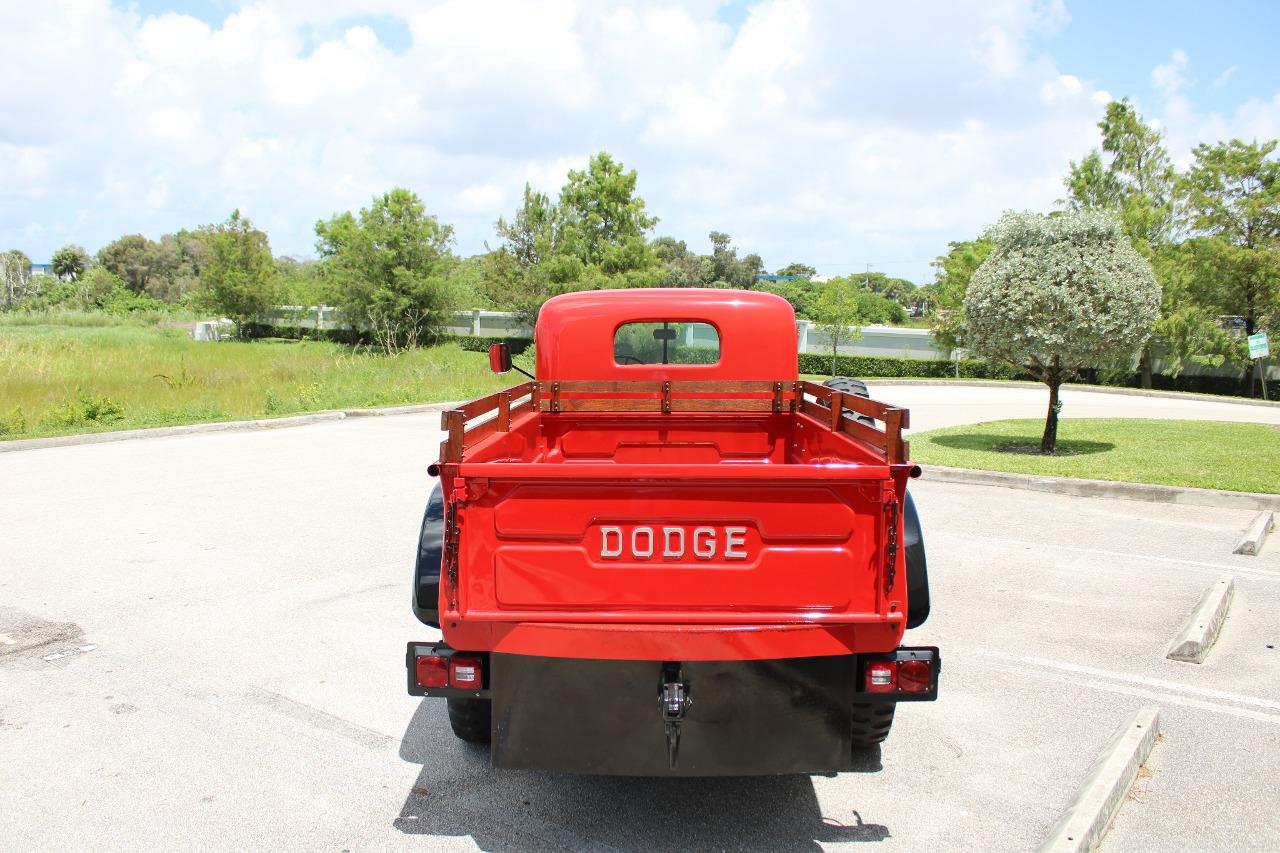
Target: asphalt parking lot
x,y
203,644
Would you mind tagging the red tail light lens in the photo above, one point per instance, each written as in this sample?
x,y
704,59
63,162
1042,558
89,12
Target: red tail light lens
x,y
433,671
881,677
914,676
465,672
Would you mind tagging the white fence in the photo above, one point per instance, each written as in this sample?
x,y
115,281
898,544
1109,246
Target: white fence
x,y
876,341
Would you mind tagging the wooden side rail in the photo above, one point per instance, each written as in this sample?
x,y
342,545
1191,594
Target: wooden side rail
x,y
667,397
895,420
454,421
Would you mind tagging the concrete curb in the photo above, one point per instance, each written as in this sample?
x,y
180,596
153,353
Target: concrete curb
x,y
219,426
1085,821
1197,637
1104,488
1250,542
1072,386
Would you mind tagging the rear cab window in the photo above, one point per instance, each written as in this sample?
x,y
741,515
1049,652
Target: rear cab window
x,y
666,342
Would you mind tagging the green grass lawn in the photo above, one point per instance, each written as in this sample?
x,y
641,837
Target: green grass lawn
x,y
1205,454
61,378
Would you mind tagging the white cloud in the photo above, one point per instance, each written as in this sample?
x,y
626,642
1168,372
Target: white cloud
x,y
1222,79
1168,77
828,132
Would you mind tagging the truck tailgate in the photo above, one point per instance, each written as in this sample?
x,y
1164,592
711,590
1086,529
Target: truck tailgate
x,y
787,544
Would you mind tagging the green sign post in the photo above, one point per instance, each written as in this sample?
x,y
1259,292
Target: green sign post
x,y
1259,349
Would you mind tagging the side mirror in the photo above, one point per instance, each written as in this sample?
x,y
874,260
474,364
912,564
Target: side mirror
x,y
499,358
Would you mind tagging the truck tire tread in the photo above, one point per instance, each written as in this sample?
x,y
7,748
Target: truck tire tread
x,y
470,719
849,385
871,723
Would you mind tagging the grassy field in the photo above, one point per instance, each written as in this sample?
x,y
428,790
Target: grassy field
x,y
80,376
1205,454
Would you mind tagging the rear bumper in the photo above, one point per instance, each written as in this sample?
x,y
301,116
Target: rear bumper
x,y
753,717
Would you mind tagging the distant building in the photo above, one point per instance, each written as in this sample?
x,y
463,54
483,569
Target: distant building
x,y
761,278
42,269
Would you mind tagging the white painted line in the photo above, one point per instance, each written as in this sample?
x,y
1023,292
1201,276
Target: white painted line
x,y
1159,683
1197,637
1128,556
1250,542
1164,698
1085,821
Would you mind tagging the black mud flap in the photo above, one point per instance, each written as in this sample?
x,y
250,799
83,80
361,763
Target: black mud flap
x,y
733,718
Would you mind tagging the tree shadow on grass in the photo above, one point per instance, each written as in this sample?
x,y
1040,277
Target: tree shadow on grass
x,y
1013,446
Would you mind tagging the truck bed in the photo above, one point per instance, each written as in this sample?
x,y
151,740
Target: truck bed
x,y
736,507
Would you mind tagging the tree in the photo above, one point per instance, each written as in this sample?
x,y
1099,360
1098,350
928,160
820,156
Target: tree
x,y
96,287
1138,185
15,278
179,259
682,267
390,266
952,273
838,316
1232,199
605,222
1091,185
533,234
239,276
70,262
1058,293
801,270
729,269
593,236
132,258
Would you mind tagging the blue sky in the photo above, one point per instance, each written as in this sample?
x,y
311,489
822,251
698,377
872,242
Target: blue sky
x,y
835,133
1116,44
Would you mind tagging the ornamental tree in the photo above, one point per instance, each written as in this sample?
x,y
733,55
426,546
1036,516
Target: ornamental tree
x,y
391,267
1058,293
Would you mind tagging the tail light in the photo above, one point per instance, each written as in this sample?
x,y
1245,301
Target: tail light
x,y
882,676
915,676
908,674
465,672
433,671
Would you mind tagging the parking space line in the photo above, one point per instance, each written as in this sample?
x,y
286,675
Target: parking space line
x,y
1260,574
1219,706
1063,666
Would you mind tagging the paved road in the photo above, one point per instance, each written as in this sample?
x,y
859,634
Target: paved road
x,y
935,406
231,610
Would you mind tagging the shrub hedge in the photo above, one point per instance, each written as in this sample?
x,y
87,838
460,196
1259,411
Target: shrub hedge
x,y
860,366
476,343
872,367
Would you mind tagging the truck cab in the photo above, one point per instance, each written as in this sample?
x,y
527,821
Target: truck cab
x,y
666,554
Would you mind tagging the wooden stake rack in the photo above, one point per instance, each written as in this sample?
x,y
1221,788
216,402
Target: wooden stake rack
x,y
831,408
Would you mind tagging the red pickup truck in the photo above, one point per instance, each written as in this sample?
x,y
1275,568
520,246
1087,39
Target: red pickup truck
x,y
665,554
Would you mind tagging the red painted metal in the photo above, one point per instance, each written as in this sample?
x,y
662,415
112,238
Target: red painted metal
x,y
749,529
757,333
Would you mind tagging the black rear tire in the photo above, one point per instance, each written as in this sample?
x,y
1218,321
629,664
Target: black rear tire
x,y
849,385
470,719
871,723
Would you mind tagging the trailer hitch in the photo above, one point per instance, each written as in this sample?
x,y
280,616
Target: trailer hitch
x,y
674,699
